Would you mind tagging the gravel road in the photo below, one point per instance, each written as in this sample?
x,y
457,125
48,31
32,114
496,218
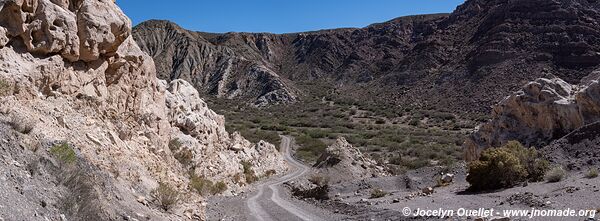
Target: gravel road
x,y
270,200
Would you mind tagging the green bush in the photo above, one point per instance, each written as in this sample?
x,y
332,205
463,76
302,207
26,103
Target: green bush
x,y
592,173
200,184
377,193
249,172
205,186
310,148
505,167
64,153
556,174
257,135
166,196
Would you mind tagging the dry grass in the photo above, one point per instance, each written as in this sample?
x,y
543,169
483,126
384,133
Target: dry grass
x,y
249,172
556,174
205,186
377,193
592,173
319,180
166,196
5,88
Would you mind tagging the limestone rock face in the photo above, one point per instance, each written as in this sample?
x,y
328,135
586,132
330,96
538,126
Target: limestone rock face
x,y
72,69
542,111
220,153
101,28
341,161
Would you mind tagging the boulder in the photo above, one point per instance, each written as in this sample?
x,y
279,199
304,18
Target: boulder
x,y
427,190
101,28
447,178
342,161
542,111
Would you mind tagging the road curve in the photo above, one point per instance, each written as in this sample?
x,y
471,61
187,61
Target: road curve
x,y
268,204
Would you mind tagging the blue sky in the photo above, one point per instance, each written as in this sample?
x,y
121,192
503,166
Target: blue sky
x,y
278,16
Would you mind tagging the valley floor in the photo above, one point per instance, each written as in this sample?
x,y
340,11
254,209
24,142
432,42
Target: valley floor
x,y
352,201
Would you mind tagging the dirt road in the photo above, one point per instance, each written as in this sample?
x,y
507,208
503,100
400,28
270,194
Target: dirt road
x,y
268,202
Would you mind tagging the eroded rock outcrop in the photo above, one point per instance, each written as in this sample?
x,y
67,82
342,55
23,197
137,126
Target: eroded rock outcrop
x,y
71,73
542,111
342,162
215,69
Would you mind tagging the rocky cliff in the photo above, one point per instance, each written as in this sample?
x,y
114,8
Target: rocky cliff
x,y
542,111
462,62
87,126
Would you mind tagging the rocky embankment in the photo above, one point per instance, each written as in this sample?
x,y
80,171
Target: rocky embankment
x,y
542,111
86,124
344,162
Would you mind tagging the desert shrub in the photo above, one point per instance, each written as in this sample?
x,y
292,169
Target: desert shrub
x,y
556,174
270,173
249,172
257,135
319,192
200,184
174,144
505,167
414,122
592,173
274,127
219,187
316,133
184,156
4,88
379,121
22,124
310,148
319,180
377,193
166,196
64,153
205,186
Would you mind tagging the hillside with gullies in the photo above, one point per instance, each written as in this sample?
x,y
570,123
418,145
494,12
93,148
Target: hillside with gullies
x,y
462,62
88,132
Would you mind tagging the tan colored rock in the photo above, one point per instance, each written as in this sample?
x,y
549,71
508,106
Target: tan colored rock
x,y
111,107
101,28
543,110
53,30
3,38
342,161
427,190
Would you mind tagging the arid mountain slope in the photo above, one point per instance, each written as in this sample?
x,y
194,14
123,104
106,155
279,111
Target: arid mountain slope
x,y
214,69
89,132
462,62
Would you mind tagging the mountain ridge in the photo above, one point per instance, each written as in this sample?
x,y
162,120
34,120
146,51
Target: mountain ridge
x,y
464,61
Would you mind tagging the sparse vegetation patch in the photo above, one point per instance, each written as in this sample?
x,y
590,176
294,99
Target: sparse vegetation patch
x,y
166,196
64,153
506,167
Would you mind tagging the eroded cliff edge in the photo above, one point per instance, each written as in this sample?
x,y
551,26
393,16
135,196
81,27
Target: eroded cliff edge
x,y
73,78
